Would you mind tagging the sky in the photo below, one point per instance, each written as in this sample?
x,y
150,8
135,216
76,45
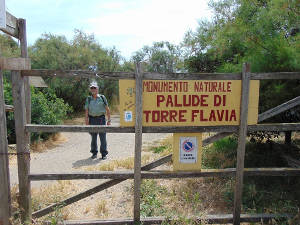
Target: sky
x,y
127,25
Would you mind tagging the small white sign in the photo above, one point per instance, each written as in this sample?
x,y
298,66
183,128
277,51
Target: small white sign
x,y
188,150
2,14
128,116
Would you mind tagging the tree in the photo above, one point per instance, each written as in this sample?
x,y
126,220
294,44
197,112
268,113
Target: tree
x,y
161,57
263,33
83,52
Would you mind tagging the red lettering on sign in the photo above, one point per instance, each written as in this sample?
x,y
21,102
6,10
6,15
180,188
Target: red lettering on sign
x,y
181,115
147,115
229,86
212,116
194,114
217,100
155,116
232,116
203,100
164,116
169,101
176,102
159,99
173,114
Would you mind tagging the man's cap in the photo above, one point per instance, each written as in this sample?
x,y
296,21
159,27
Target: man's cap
x,y
94,84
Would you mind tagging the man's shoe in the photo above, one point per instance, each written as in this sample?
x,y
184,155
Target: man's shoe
x,y
104,157
94,156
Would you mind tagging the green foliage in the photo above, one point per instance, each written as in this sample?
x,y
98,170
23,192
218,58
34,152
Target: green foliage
x,y
162,57
275,196
151,204
264,33
270,194
82,53
222,154
46,108
8,47
159,149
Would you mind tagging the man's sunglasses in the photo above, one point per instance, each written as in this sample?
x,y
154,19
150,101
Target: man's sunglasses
x,y
93,88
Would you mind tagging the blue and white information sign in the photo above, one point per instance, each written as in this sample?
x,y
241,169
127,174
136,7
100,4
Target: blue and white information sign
x,y
2,14
128,116
188,150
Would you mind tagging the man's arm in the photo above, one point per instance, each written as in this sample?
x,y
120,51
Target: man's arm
x,y
108,115
86,117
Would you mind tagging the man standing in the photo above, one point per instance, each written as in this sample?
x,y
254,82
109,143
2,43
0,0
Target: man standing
x,y
96,107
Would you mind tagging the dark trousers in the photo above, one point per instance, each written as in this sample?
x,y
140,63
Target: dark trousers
x,y
98,120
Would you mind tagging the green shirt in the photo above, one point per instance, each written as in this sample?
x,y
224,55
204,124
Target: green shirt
x,y
96,107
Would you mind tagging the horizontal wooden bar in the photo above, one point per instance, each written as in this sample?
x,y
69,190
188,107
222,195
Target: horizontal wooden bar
x,y
275,127
126,75
275,76
11,26
159,76
192,76
279,109
179,129
77,128
79,73
15,63
96,189
9,108
207,219
167,174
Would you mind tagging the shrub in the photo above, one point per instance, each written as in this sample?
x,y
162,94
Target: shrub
x,y
222,154
46,108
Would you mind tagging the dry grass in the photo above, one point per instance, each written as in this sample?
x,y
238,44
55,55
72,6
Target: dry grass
x,y
101,208
127,163
43,196
53,141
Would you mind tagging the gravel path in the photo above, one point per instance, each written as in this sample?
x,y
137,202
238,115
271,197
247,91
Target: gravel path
x,y
75,153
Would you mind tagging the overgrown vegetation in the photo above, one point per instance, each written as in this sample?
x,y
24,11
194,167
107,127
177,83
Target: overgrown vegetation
x,y
46,109
267,195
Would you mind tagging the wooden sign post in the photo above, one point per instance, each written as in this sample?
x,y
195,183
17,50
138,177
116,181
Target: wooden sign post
x,y
2,14
4,167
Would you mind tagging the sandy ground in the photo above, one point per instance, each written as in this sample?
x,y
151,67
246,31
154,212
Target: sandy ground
x,y
74,154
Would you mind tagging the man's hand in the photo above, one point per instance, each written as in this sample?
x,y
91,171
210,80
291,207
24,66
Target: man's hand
x,y
108,122
86,121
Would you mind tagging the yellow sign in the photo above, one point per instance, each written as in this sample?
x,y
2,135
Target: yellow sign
x,y
187,102
187,151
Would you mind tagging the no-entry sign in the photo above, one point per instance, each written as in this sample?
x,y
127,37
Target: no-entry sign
x,y
187,151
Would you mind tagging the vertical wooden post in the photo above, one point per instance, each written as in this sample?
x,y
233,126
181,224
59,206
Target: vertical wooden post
x,y
22,146
138,142
241,144
24,54
4,167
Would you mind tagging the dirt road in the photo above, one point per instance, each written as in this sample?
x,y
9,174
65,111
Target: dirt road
x,y
75,153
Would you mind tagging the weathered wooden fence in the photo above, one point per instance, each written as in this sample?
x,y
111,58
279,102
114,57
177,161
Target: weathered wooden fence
x,y
141,173
21,95
15,28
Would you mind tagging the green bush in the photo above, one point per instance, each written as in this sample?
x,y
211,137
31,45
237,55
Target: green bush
x,y
222,154
151,203
266,194
46,109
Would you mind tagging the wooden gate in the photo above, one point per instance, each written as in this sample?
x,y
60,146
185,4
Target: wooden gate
x,y
24,127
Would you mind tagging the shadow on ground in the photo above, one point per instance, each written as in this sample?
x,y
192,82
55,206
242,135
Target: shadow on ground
x,y
86,162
